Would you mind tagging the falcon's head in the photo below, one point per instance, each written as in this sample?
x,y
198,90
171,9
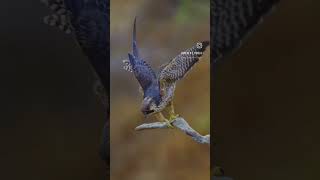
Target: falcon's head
x,y
150,103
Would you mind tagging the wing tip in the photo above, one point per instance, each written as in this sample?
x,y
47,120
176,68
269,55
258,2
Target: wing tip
x,y
134,39
131,58
203,45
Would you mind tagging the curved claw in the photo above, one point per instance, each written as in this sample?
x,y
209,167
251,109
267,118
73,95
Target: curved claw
x,y
173,117
168,122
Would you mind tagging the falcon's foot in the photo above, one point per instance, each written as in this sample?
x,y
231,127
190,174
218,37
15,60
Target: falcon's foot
x,y
160,117
168,122
172,114
173,117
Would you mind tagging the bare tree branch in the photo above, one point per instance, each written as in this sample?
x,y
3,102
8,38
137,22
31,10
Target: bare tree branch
x,y
182,125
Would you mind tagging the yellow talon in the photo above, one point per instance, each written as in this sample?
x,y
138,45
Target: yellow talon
x,y
168,122
160,117
173,117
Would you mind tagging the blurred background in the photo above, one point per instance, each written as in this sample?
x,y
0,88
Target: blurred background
x,y
51,121
266,104
266,99
164,29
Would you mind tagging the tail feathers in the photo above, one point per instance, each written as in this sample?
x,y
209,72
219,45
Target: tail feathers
x,y
59,21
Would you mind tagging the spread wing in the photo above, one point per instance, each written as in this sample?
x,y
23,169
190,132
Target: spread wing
x,y
181,64
142,71
231,20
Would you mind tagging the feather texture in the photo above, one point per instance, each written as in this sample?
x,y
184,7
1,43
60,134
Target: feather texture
x,y
143,71
232,20
90,22
181,64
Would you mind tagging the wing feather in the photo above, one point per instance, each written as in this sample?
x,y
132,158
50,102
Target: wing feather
x,y
232,20
90,22
142,71
181,64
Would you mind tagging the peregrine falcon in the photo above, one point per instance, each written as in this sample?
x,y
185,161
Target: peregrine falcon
x,y
158,90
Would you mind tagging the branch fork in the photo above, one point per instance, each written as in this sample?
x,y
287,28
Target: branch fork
x,y
181,124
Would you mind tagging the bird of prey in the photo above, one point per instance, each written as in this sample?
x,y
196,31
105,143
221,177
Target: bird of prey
x,y
158,89
232,20
88,22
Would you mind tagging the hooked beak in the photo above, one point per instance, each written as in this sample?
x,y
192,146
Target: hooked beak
x,y
145,113
146,106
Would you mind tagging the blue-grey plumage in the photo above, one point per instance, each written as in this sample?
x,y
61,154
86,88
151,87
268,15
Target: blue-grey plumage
x,y
145,76
134,40
159,89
